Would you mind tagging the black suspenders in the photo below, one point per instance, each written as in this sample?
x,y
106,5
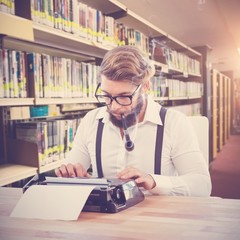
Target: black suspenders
x,y
158,145
99,148
159,141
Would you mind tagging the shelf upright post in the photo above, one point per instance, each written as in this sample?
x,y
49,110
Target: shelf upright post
x,y
207,91
3,134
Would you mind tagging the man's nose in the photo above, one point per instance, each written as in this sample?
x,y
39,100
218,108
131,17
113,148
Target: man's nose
x,y
114,105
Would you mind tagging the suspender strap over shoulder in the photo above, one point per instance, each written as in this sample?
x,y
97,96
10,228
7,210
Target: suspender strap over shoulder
x,y
98,148
159,141
158,145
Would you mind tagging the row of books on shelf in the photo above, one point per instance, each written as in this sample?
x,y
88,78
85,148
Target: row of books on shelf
x,y
189,109
179,88
13,74
54,138
175,60
164,87
82,20
43,76
51,140
38,75
7,6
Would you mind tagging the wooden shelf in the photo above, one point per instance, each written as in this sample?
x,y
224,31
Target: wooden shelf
x,y
9,42
161,98
16,102
163,67
174,43
43,101
178,98
70,42
194,97
50,166
142,25
194,75
13,26
184,98
10,173
107,7
49,101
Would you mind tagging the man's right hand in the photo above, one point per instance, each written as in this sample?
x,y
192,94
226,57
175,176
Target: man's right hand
x,y
71,170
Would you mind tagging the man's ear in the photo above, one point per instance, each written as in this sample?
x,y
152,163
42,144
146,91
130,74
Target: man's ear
x,y
146,86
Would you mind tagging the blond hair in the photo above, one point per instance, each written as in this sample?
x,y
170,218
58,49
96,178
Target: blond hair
x,y
126,63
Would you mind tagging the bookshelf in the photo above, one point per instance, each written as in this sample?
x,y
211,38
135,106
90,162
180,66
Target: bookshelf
x,y
51,41
214,112
235,106
221,112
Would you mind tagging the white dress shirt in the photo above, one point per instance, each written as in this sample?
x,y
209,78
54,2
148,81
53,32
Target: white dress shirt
x,y
183,168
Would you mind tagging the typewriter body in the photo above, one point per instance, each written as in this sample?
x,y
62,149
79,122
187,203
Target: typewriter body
x,y
108,195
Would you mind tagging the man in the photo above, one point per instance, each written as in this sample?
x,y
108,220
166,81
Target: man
x,y
130,114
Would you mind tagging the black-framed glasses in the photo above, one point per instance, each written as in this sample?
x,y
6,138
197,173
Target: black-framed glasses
x,y
124,100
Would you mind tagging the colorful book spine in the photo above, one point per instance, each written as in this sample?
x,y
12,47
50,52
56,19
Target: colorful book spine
x,y
6,85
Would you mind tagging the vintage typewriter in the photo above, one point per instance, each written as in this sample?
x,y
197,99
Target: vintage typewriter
x,y
108,196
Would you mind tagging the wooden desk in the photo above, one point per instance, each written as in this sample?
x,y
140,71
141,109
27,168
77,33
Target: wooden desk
x,y
158,217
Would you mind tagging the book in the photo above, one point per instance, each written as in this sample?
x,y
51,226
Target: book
x,y
83,15
32,132
74,16
57,14
5,73
158,51
35,75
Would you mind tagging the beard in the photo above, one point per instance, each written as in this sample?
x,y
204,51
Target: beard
x,y
130,117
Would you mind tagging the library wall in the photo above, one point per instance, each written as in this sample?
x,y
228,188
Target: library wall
x,y
50,57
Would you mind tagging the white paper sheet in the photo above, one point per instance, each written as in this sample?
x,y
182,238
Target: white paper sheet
x,y
76,180
60,202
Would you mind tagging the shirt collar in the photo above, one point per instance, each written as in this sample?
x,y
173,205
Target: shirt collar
x,y
151,114
103,114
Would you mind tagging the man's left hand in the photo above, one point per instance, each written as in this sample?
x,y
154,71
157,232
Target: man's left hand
x,y
142,179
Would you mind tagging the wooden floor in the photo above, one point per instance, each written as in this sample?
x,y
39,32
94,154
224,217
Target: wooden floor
x,y
225,170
